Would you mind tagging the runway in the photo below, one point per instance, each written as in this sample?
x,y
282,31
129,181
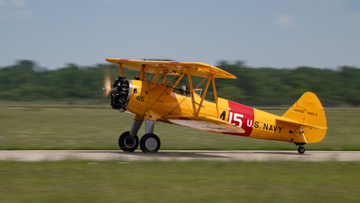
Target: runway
x,y
178,155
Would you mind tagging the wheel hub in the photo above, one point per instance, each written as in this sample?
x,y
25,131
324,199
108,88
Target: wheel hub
x,y
129,142
151,144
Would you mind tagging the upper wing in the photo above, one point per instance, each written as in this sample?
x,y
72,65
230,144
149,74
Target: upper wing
x,y
173,67
206,123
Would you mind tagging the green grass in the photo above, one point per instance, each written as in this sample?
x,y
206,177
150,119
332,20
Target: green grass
x,y
98,127
81,181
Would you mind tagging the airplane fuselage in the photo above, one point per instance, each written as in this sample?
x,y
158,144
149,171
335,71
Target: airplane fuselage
x,y
153,101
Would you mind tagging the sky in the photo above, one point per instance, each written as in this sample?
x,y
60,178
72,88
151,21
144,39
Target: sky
x,y
262,33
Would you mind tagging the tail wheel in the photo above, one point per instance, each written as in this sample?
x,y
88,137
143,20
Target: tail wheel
x,y
301,150
127,142
150,143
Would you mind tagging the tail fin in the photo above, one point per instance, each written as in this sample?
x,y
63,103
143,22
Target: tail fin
x,y
309,111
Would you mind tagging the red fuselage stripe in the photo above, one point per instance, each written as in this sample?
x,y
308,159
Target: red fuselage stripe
x,y
242,116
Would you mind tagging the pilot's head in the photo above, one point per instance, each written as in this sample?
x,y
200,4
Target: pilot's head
x,y
183,89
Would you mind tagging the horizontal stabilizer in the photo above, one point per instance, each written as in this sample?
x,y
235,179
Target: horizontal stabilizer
x,y
296,123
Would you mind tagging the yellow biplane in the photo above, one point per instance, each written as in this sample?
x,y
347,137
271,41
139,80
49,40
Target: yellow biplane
x,y
158,99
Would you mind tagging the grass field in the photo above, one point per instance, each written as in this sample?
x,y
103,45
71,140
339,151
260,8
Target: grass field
x,y
81,181
98,127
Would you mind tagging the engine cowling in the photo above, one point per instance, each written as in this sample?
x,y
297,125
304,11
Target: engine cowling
x,y
120,93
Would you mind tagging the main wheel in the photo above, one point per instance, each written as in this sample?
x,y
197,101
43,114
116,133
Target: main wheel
x,y
127,142
301,150
150,143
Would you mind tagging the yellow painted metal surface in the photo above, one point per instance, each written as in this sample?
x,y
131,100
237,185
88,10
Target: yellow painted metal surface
x,y
161,100
304,122
175,68
162,103
309,111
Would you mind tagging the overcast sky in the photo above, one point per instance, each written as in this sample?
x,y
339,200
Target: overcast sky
x,y
263,33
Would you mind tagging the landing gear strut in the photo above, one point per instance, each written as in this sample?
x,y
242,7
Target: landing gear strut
x,y
149,143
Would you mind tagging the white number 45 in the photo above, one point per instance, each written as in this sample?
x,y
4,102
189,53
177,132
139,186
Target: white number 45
x,y
235,117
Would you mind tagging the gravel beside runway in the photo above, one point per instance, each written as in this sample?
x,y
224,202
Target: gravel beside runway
x,y
178,155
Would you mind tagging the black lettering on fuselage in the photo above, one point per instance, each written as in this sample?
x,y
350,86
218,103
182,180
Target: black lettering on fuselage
x,y
256,124
312,114
273,128
299,110
223,115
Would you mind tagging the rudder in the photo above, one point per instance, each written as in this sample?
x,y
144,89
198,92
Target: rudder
x,y
309,111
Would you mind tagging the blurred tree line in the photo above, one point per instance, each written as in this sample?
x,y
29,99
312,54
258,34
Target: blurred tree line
x,y
25,81
271,86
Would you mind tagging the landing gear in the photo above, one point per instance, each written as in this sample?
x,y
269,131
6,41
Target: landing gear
x,y
301,150
150,143
127,142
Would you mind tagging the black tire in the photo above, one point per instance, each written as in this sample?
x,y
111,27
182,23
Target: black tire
x,y
301,150
128,143
150,143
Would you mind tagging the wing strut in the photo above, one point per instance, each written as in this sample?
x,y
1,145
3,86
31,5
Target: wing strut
x,y
165,74
157,74
215,95
211,77
155,78
180,77
142,73
204,93
121,69
191,91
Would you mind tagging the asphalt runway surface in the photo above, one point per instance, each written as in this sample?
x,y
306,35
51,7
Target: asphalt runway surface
x,y
178,155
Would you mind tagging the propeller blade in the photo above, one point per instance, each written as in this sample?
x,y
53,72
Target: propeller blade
x,y
107,83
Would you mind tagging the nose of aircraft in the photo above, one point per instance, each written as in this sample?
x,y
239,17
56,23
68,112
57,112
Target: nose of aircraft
x,y
120,93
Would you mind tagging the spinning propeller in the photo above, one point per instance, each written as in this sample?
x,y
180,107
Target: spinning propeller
x,y
107,83
119,91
